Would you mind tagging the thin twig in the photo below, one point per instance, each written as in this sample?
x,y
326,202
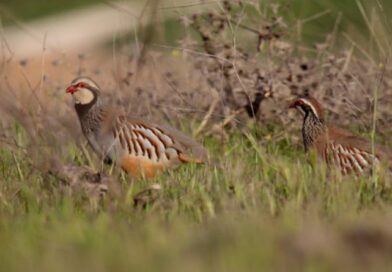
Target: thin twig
x,y
18,167
207,117
373,134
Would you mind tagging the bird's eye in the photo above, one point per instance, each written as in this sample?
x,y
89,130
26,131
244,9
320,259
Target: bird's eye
x,y
80,85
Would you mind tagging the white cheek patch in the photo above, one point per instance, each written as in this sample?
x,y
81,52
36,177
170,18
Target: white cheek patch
x,y
83,96
314,111
306,102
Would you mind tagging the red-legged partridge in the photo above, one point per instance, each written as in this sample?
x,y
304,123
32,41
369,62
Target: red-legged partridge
x,y
141,148
337,147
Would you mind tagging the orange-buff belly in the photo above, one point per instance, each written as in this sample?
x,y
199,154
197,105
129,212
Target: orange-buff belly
x,y
141,167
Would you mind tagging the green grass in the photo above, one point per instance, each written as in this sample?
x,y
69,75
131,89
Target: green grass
x,y
250,212
325,13
321,17
32,9
346,23
261,206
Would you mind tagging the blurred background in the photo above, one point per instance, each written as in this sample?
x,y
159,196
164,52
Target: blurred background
x,y
223,71
82,24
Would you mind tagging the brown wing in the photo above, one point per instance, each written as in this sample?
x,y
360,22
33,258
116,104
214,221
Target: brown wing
x,y
191,150
156,143
352,153
348,139
348,158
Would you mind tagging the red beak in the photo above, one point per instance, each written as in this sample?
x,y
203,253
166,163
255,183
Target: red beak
x,y
293,105
71,89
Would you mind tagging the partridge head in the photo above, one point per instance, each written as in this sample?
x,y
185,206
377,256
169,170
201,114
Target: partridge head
x,y
84,90
140,147
337,147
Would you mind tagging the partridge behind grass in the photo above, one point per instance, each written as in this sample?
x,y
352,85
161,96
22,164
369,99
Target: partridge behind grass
x,y
337,147
141,148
